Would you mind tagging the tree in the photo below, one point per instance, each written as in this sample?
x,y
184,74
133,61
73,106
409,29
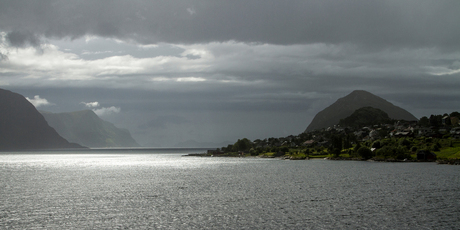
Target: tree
x,y
227,149
404,142
377,144
396,152
274,149
347,141
284,149
435,120
336,145
455,114
356,148
424,122
242,145
337,142
365,152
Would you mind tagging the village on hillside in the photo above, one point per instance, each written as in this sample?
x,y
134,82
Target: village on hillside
x,y
431,138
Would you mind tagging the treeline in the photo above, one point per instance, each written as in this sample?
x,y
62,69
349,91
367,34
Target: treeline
x,y
345,146
342,142
440,120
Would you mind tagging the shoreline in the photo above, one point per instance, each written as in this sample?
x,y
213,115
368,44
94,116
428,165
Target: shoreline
x,y
390,160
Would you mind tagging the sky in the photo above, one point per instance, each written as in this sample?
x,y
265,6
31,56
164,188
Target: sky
x,y
216,71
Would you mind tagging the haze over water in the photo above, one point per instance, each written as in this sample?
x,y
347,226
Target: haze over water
x,y
161,189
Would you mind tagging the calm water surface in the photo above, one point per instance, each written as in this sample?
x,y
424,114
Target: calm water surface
x,y
161,189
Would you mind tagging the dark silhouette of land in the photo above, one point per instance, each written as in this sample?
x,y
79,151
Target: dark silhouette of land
x,y
357,99
22,127
86,128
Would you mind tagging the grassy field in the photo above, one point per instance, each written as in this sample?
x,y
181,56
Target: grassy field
x,y
449,153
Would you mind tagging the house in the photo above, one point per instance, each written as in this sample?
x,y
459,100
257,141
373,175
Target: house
x,y
308,143
425,155
455,130
443,130
424,131
360,134
444,120
401,134
374,134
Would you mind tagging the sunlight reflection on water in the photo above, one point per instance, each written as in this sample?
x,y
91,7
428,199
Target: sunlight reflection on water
x,y
168,191
175,160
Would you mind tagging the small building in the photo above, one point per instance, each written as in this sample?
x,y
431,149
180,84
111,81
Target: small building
x,y
402,134
374,134
424,131
455,130
425,155
445,119
308,143
322,143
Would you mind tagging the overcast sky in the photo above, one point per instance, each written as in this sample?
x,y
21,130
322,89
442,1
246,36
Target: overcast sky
x,y
212,71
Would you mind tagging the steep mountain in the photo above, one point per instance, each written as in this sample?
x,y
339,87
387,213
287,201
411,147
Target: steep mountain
x,y
365,116
86,128
345,106
22,127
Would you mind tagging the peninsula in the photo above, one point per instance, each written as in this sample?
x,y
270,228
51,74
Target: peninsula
x,y
367,133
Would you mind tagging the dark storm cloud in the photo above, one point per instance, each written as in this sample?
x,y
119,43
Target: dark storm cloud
x,y
415,23
21,39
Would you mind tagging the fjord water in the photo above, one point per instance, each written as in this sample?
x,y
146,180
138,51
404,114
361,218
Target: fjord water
x,y
164,190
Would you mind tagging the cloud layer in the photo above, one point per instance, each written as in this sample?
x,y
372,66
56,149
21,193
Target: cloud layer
x,y
106,110
390,23
223,70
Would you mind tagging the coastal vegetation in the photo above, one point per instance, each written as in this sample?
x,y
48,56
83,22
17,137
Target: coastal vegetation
x,y
431,138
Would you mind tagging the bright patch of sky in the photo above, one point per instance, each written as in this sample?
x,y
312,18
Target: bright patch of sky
x,y
91,48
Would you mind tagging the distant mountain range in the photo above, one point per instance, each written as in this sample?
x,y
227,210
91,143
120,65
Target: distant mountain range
x,y
357,99
22,127
86,128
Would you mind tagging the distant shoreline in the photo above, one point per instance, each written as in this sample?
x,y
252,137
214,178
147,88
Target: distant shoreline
x,y
110,149
389,160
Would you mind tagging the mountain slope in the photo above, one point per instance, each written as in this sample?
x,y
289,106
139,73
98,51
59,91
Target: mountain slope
x,y
365,116
86,128
345,106
22,127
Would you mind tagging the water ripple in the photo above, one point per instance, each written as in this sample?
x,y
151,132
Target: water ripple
x,y
166,191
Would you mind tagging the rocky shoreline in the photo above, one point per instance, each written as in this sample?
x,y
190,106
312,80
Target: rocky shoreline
x,y
449,161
